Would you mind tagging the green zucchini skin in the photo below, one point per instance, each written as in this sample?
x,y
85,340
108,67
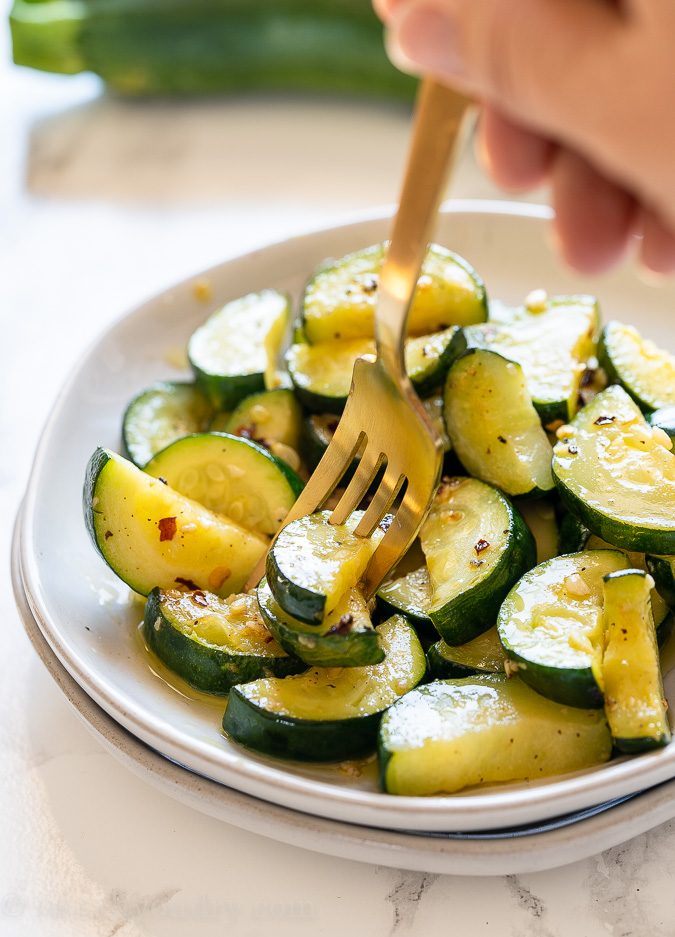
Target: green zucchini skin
x,y
572,534
272,416
575,533
288,735
636,520
291,565
233,354
661,568
551,340
664,418
204,666
561,665
151,536
408,595
450,734
340,297
313,740
574,684
626,361
267,482
315,436
464,616
482,655
358,647
634,701
497,436
474,610
161,414
322,373
211,46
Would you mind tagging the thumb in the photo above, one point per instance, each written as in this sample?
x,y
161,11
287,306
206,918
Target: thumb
x,y
537,60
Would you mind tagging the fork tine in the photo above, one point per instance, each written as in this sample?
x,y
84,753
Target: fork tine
x,y
324,479
368,467
398,538
383,499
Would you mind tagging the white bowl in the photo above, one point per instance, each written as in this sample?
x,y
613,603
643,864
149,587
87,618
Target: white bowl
x,y
90,619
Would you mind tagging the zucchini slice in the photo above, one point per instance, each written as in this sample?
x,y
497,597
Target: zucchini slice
x,y
327,714
159,415
476,547
576,538
346,638
448,735
646,372
634,702
322,373
428,357
484,654
313,563
340,298
492,425
153,536
213,643
234,353
551,626
614,472
230,475
552,340
409,595
272,416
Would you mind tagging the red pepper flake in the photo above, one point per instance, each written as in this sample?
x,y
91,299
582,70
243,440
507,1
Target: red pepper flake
x,y
199,598
167,528
188,583
246,432
269,639
604,420
481,546
108,534
343,625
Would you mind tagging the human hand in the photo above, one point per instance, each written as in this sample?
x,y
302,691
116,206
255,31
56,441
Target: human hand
x,y
576,92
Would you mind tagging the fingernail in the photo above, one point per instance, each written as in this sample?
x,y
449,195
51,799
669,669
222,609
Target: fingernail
x,y
424,39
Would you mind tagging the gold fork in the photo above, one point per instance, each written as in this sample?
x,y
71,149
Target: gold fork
x,y
384,419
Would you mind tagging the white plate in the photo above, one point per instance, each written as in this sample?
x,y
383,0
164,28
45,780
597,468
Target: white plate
x,y
506,852
88,619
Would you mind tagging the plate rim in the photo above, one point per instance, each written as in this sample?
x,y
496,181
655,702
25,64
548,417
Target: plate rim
x,y
466,855
269,780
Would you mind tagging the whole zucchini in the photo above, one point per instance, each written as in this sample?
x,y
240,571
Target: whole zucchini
x,y
145,47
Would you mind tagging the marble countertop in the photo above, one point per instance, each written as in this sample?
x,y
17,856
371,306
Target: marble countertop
x,y
103,203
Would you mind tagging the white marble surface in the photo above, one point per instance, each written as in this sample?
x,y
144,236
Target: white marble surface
x,y
101,204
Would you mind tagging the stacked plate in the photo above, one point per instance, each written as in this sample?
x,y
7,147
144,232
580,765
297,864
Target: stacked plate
x,y
84,622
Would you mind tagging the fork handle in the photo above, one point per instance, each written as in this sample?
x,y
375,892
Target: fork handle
x,y
443,121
